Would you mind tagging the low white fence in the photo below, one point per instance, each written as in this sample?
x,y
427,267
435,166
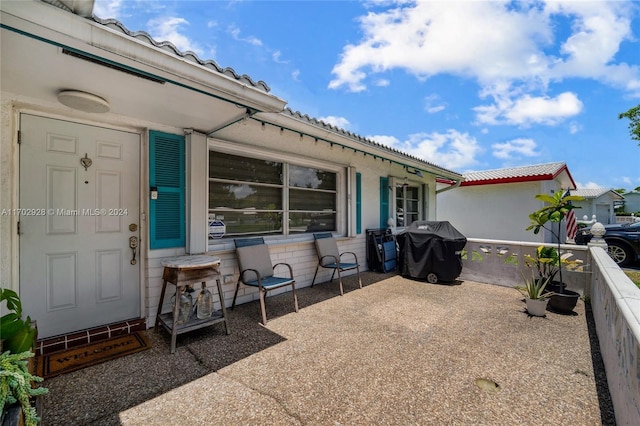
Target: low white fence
x,y
627,219
503,263
615,303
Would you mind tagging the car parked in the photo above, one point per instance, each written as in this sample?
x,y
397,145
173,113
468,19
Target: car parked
x,y
623,240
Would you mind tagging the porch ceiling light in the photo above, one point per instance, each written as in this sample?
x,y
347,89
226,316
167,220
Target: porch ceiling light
x,y
83,101
415,172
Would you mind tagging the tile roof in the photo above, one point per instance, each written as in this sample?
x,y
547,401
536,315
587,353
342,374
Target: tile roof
x,y
319,123
531,173
188,55
595,192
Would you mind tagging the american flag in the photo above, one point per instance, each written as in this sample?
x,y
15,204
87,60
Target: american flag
x,y
570,221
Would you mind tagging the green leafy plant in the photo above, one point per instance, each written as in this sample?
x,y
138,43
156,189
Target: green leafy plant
x,y
16,384
547,262
555,209
534,287
633,114
18,335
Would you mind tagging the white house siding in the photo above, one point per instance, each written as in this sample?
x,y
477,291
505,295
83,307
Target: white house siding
x,y
632,202
298,250
7,192
499,211
300,254
601,205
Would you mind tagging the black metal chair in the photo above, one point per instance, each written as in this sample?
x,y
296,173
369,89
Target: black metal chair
x,y
257,270
330,257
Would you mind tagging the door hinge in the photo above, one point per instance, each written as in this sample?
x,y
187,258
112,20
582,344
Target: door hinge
x,y
18,227
19,137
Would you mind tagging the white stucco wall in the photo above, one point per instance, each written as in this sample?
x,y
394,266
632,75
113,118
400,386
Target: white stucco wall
x,y
632,202
499,212
298,251
601,206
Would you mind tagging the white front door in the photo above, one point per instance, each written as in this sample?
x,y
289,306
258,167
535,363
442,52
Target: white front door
x,y
79,207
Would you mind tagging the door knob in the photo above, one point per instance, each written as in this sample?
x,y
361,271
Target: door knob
x,y
133,243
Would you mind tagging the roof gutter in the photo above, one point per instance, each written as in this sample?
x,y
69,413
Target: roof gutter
x,y
248,112
447,188
333,139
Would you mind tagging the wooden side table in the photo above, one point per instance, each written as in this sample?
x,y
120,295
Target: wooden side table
x,y
182,271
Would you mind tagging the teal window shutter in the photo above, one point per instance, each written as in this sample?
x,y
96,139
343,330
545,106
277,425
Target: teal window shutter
x,y
166,174
384,201
358,203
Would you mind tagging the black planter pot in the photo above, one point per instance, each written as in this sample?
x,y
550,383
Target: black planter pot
x,y
555,286
563,301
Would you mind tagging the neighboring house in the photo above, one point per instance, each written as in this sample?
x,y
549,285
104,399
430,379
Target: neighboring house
x,y
632,202
110,136
599,202
495,204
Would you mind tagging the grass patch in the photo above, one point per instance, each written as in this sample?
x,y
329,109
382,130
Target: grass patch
x,y
634,276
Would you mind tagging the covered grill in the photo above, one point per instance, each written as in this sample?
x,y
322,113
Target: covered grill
x,y
430,250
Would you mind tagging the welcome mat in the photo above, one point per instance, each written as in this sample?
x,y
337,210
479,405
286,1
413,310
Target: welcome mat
x,y
73,359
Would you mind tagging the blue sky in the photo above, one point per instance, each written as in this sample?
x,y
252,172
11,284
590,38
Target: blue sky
x,y
467,85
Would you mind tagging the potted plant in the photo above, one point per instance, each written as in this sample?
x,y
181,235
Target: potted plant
x,y
17,376
547,262
535,295
555,209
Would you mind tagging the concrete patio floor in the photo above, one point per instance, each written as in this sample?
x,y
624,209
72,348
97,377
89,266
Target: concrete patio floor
x,y
396,352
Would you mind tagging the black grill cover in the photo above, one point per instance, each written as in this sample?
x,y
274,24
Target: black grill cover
x,y
430,246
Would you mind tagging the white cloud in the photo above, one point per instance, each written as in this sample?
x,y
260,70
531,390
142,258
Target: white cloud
x,y
521,146
515,51
168,28
588,185
235,33
478,39
390,141
527,109
276,57
108,8
295,75
574,128
452,150
433,104
339,122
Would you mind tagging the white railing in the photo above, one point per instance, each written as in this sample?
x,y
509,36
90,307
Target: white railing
x,y
627,219
502,262
615,303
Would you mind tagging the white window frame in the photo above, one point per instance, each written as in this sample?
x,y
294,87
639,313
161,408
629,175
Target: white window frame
x,y
394,183
241,150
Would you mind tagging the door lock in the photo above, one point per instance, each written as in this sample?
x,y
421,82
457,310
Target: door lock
x,y
133,243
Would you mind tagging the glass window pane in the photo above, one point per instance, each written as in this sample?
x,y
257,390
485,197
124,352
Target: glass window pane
x,y
305,177
246,223
311,222
412,206
233,167
244,196
300,199
412,192
411,217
